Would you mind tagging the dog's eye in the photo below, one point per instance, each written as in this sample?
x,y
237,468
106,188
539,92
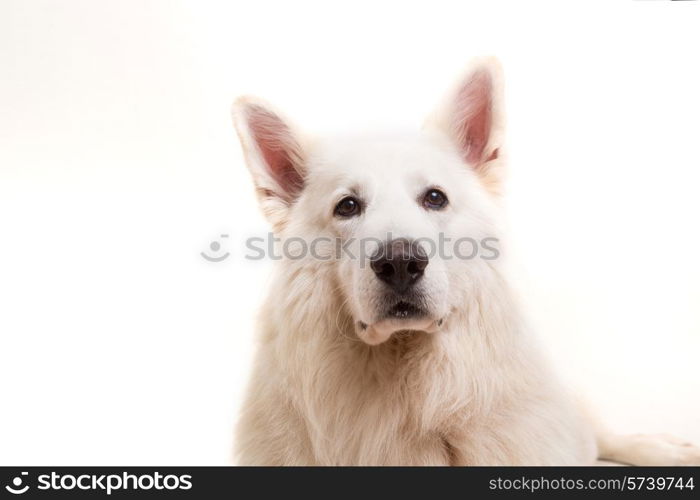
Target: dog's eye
x,y
347,207
434,199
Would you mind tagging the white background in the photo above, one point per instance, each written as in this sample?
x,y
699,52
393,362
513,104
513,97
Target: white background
x,y
119,344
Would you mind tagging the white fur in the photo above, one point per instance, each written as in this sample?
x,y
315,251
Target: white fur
x,y
472,390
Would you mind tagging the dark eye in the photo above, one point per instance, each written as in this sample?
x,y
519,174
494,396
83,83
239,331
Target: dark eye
x,y
347,207
435,199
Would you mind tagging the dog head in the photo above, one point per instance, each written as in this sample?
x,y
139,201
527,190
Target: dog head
x,y
411,215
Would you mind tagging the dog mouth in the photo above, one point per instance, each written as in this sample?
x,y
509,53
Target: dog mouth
x,y
405,310
403,315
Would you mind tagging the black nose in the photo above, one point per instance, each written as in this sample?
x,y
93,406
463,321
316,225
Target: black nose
x,y
399,263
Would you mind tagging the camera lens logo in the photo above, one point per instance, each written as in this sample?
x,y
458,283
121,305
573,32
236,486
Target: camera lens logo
x,y
215,246
16,487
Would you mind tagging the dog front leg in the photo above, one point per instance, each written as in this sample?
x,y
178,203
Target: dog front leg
x,y
646,449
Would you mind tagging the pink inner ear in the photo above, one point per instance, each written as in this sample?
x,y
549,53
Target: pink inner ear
x,y
279,149
474,116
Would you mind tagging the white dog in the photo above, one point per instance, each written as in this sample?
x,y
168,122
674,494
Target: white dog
x,y
390,352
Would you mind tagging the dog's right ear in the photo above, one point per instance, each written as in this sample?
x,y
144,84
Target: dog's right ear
x,y
274,156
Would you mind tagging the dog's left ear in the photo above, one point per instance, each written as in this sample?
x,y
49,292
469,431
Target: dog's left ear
x,y
472,117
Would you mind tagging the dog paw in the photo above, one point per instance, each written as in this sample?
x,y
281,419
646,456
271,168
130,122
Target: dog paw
x,y
665,449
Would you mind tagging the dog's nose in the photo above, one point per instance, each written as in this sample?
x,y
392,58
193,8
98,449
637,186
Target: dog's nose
x,y
399,263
